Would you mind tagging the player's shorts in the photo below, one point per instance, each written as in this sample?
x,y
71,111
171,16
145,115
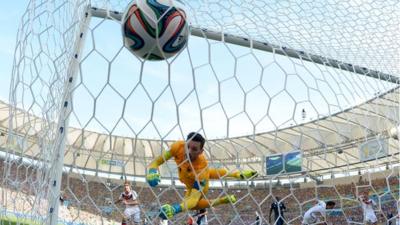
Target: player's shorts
x,y
132,215
371,218
279,221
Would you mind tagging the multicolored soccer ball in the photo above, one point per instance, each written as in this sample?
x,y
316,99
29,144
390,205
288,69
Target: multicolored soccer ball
x,y
155,29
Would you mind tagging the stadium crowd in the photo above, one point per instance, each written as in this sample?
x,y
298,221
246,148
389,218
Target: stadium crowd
x,y
90,200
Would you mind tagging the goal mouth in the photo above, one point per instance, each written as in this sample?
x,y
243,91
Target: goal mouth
x,y
303,93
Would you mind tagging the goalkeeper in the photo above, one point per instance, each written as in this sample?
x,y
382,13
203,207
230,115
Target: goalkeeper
x,y
194,173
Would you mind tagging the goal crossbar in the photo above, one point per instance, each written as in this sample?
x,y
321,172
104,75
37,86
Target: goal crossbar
x,y
267,47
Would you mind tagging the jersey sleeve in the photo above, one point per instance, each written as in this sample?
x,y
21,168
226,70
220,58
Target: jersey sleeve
x,y
217,173
175,147
134,195
322,208
121,197
165,156
323,212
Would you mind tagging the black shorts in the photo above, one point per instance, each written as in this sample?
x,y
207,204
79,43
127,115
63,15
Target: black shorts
x,y
279,221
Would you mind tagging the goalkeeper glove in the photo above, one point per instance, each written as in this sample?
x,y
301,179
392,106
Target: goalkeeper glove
x,y
247,174
168,211
153,178
228,199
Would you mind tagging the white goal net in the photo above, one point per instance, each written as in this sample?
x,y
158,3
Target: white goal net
x,y
306,93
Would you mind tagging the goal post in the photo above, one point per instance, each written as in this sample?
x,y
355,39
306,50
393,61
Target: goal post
x,y
57,159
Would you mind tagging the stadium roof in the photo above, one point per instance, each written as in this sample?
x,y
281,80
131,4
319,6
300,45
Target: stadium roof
x,y
327,143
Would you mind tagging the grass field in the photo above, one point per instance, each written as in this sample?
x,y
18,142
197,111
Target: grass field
x,y
10,220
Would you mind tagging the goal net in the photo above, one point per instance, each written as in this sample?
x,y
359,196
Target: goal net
x,y
306,93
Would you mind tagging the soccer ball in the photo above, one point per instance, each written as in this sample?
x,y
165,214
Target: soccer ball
x,y
155,29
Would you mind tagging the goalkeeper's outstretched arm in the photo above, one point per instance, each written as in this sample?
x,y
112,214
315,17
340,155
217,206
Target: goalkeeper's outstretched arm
x,y
159,160
217,173
153,177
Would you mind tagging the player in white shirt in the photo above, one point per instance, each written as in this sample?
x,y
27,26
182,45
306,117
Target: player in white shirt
x,y
317,213
368,209
129,199
163,222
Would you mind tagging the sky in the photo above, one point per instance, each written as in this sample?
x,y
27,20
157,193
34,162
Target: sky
x,y
238,90
10,12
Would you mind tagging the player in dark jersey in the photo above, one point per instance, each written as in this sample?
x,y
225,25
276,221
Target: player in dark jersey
x,y
278,208
201,217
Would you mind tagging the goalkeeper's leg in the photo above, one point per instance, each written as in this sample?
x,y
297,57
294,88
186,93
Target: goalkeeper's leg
x,y
204,203
190,201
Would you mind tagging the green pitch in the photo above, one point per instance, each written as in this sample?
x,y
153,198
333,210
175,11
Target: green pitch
x,y
11,220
